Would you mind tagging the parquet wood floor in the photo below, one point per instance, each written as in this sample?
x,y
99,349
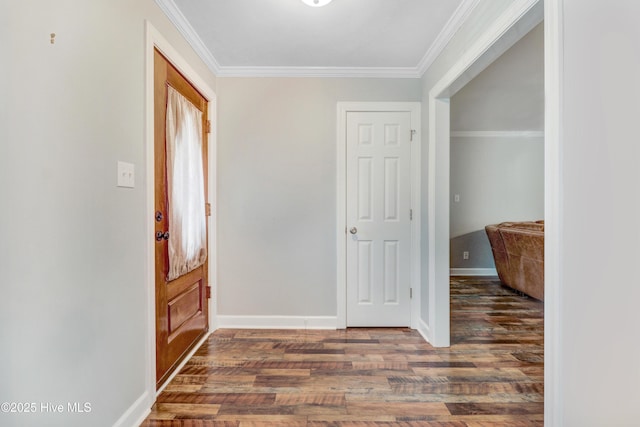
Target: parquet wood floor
x,y
492,375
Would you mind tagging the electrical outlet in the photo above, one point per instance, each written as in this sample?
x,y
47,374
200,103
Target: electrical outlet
x,y
465,255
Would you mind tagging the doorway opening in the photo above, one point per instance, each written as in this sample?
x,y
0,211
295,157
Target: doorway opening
x,y
520,19
497,169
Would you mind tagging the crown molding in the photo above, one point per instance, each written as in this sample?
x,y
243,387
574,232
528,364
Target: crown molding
x,y
444,37
184,27
366,72
497,134
176,17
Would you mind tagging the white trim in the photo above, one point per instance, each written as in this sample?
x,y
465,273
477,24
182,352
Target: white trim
x,y
184,27
181,364
438,223
172,11
362,72
516,21
276,322
444,37
153,39
423,329
490,45
341,201
473,272
497,134
341,216
137,413
554,72
182,24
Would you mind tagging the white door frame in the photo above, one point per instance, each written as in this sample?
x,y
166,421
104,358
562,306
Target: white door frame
x,y
341,202
515,22
153,40
553,68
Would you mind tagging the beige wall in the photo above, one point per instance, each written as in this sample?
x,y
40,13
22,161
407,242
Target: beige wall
x,y
277,190
73,245
498,178
509,94
596,311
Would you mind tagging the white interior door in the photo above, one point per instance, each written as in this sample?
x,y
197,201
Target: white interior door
x,y
378,218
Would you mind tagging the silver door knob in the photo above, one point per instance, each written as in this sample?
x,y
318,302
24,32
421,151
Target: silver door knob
x,y
353,230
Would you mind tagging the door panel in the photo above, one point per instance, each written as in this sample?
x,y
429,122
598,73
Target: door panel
x,y
364,272
181,304
378,221
365,188
391,272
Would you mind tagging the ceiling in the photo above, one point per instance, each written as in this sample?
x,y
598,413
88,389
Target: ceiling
x,y
352,38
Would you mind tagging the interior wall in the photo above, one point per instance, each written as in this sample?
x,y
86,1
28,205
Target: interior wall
x,y
277,190
497,150
597,309
508,95
72,253
497,180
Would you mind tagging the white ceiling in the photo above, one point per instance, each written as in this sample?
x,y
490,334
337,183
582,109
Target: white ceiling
x,y
374,38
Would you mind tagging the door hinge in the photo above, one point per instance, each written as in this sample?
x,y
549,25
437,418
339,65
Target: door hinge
x,y
410,214
208,292
207,209
410,293
208,129
413,132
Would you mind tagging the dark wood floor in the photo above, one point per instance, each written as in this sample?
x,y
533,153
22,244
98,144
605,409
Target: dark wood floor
x,y
492,375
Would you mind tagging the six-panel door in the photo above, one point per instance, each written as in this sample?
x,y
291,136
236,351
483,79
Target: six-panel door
x,y
378,218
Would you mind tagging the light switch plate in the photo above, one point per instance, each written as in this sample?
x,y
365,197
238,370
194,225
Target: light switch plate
x,y
126,175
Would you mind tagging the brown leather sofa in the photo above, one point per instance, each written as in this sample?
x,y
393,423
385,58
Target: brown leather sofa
x,y
518,251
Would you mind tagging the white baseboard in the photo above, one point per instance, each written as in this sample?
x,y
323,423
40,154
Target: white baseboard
x,y
141,408
276,322
136,414
424,330
473,272
184,362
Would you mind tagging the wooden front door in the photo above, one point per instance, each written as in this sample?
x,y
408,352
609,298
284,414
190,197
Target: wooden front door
x,y
181,305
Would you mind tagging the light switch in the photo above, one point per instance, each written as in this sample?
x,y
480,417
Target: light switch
x,y
456,198
126,175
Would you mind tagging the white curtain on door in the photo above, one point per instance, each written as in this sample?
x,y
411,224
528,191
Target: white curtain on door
x,y
185,186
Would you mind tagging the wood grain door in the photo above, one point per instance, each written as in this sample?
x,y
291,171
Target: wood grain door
x,y
182,316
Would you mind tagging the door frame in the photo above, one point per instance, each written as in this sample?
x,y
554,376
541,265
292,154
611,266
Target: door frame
x,y
503,33
155,40
341,201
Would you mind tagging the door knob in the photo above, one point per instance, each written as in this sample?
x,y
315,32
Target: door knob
x,y
160,236
353,230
